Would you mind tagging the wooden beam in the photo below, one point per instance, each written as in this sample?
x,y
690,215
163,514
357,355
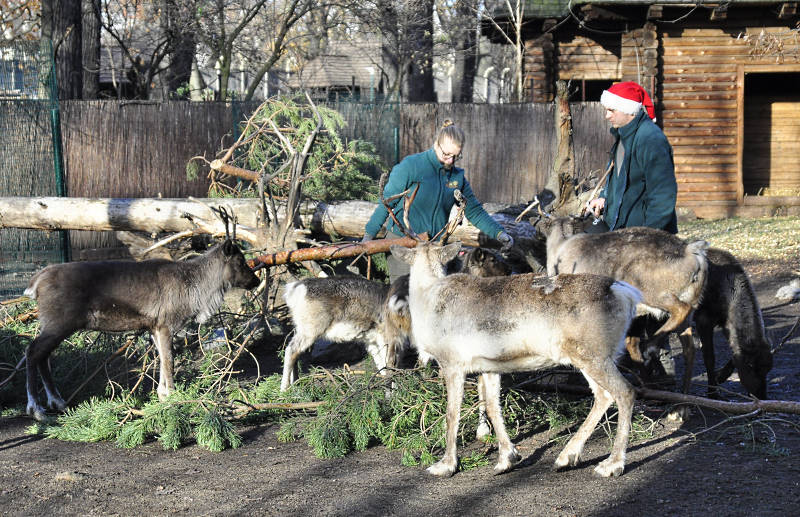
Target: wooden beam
x,y
719,13
739,133
788,9
593,12
655,12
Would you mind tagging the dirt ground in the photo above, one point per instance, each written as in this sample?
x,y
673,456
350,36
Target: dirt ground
x,y
741,467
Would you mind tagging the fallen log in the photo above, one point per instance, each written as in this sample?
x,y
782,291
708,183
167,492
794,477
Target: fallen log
x,y
733,408
340,219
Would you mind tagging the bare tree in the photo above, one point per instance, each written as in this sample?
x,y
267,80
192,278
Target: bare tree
x,y
135,27
20,19
61,23
90,27
509,26
405,29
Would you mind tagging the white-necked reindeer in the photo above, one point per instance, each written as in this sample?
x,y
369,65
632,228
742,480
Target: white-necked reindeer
x,y
157,295
521,323
352,308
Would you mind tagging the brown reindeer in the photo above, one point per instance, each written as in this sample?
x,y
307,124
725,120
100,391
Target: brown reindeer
x,y
521,323
670,273
156,295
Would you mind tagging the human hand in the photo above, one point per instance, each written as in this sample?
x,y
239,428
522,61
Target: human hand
x,y
597,205
506,241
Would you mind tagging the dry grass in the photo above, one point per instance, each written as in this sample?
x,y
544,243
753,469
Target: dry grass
x,y
768,238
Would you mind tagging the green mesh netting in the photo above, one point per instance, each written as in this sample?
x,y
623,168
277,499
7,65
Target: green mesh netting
x,y
30,163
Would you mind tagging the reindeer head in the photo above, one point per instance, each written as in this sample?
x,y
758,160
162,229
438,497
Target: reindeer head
x,y
236,271
427,258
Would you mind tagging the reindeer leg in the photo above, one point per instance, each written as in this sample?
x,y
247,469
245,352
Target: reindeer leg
x,y
454,382
507,453
296,346
36,358
166,384
622,392
484,430
54,399
678,312
706,335
687,343
608,385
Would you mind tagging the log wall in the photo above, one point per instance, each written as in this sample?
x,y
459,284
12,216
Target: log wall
x,y
704,115
728,142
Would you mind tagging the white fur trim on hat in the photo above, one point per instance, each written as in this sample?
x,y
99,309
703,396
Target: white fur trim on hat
x,y
613,101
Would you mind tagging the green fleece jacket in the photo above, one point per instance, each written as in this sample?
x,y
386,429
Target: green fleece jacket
x,y
643,191
431,207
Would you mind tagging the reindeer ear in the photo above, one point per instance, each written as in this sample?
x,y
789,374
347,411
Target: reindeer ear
x,y
403,253
449,252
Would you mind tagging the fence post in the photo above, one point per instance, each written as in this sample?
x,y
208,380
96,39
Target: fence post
x,y
58,155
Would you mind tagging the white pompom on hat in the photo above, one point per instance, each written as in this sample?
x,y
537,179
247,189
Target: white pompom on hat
x,y
628,97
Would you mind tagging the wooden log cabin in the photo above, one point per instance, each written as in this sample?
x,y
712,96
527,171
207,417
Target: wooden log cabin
x,y
724,76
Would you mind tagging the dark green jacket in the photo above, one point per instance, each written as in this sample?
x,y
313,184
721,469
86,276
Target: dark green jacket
x,y
431,207
644,192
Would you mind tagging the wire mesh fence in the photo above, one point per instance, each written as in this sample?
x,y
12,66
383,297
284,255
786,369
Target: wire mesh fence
x,y
28,156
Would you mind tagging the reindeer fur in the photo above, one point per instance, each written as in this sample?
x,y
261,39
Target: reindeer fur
x,y
521,323
156,295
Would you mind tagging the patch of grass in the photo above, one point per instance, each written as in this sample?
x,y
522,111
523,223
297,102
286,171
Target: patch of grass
x,y
775,238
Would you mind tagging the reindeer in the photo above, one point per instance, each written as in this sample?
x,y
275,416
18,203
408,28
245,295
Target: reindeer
x,y
521,323
729,302
352,308
670,273
156,295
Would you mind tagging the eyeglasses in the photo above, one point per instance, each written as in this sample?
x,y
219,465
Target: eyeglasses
x,y
447,156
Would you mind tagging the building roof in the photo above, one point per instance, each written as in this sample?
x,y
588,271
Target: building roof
x,y
539,9
344,63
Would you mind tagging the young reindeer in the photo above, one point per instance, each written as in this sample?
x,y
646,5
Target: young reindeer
x,y
346,308
521,323
352,308
670,273
157,295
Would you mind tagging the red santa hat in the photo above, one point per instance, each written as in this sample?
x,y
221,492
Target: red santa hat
x,y
628,97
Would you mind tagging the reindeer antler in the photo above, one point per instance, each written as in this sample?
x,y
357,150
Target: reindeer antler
x,y
406,205
451,225
226,218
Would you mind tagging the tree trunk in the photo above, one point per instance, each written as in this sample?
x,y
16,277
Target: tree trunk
x,y
418,83
343,219
90,25
66,34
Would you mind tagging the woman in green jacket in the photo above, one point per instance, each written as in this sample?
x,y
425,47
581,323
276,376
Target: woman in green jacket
x,y
435,172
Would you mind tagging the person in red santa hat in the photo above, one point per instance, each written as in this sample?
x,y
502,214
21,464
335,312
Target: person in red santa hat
x,y
641,189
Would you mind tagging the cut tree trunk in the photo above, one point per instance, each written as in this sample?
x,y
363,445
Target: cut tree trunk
x,y
340,220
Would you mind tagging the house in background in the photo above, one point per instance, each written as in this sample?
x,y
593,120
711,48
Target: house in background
x,y
725,78
347,70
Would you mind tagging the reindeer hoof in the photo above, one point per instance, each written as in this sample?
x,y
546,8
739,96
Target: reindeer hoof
x,y
567,459
38,413
57,405
441,469
679,415
507,462
608,468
